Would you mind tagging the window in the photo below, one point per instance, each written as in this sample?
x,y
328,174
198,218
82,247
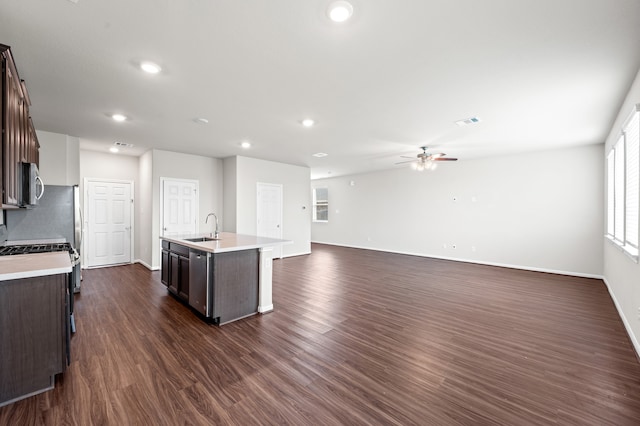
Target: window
x,y
623,187
320,204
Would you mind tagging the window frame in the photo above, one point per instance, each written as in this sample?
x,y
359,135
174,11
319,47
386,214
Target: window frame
x,y
320,203
623,176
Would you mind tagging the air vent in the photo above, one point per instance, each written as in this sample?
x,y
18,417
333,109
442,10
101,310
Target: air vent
x,y
123,144
467,121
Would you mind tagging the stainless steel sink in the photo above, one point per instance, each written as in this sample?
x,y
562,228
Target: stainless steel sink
x,y
201,239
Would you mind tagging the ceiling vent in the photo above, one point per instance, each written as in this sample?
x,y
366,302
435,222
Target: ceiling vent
x,y
123,144
467,121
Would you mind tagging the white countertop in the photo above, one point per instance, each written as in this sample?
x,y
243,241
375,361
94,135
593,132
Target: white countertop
x,y
227,242
34,265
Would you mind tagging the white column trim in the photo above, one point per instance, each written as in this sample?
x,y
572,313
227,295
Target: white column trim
x,y
265,301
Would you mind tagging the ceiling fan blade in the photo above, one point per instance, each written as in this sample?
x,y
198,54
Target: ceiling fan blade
x,y
405,162
444,159
434,156
406,156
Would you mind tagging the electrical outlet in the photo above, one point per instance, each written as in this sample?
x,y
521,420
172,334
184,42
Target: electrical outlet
x,y
444,246
473,248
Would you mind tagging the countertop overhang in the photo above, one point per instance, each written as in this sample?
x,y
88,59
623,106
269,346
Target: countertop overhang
x,y
34,265
227,242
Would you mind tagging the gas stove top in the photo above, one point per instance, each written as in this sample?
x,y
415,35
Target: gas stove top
x,y
35,248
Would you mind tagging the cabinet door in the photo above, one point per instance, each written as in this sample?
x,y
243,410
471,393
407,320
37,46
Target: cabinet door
x,y
33,323
32,145
164,268
2,115
174,272
183,287
11,148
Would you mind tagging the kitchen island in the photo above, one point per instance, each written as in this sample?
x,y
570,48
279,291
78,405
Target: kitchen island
x,y
222,279
34,323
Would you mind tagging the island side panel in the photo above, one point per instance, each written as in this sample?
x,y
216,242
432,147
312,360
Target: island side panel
x,y
235,284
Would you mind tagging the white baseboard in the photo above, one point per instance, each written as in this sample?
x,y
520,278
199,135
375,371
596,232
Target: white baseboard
x,y
296,254
478,262
146,265
627,325
265,309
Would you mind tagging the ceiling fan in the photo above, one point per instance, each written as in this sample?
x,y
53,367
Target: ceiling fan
x,y
426,161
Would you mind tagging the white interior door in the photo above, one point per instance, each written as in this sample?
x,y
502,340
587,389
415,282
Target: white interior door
x,y
108,222
179,206
269,213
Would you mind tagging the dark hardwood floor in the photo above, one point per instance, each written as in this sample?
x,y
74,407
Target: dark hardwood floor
x,y
357,337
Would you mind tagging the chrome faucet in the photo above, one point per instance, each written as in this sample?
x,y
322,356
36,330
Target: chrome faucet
x,y
216,233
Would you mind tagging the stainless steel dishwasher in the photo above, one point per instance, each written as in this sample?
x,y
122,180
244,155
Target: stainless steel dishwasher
x,y
199,297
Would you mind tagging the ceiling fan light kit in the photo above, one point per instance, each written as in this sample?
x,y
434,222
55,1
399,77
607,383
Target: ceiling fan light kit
x,y
426,161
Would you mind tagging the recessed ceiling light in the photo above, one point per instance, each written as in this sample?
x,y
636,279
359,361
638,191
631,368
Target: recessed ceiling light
x,y
119,117
150,67
114,149
320,154
201,120
307,122
467,121
245,145
340,11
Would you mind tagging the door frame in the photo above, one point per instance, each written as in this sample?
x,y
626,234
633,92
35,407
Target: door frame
x,y
197,204
280,219
85,222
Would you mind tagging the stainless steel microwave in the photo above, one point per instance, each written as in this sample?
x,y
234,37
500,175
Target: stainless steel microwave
x,y
32,187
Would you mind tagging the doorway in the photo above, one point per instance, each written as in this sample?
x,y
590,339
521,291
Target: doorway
x,y
269,213
109,228
180,208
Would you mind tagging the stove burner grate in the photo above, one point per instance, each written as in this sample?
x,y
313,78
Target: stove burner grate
x,y
35,248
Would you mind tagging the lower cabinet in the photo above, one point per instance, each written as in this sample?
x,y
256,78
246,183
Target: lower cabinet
x,y
175,269
34,334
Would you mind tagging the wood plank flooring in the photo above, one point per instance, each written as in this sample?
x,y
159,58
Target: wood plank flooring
x,y
357,337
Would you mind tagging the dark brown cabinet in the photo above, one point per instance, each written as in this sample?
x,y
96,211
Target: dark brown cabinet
x,y
19,139
34,318
175,269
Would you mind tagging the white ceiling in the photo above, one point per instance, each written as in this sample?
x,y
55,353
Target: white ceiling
x,y
541,74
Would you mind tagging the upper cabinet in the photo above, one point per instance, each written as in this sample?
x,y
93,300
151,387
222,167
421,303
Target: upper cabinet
x,y
19,140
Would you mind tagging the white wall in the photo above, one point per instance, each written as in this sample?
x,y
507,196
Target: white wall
x,y
295,181
621,273
94,164
540,211
230,193
206,170
144,210
59,158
